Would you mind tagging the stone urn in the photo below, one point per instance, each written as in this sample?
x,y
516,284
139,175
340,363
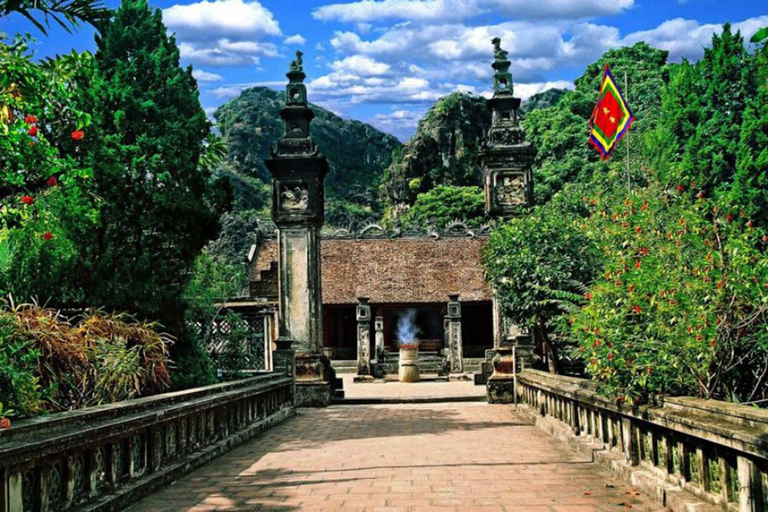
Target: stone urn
x,y
409,363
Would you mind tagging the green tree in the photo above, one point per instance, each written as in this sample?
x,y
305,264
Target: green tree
x,y
444,204
148,134
560,133
539,266
67,13
724,83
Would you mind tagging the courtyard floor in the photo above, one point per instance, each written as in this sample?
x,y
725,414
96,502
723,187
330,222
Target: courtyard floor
x,y
468,456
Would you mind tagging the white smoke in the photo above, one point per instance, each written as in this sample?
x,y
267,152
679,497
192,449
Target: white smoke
x,y
407,331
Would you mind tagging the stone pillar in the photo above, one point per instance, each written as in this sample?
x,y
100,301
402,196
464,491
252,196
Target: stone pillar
x,y
363,337
454,334
379,338
298,173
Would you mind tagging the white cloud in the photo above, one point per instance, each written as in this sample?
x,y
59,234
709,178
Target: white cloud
x,y
525,91
205,76
296,39
400,123
214,56
223,32
687,38
359,65
221,19
458,10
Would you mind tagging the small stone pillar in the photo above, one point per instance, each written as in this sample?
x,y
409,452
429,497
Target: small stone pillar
x,y
378,325
454,334
501,384
363,336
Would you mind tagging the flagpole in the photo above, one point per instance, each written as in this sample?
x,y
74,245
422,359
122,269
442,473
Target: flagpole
x,y
626,95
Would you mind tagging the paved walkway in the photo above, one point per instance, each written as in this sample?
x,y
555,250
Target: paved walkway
x,y
402,457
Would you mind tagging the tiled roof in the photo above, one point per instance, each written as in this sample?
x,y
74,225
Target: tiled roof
x,y
399,270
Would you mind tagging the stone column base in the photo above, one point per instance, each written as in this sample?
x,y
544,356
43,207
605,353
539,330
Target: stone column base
x,y
316,382
501,385
313,394
500,391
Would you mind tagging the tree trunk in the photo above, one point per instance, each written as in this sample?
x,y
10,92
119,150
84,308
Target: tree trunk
x,y
549,349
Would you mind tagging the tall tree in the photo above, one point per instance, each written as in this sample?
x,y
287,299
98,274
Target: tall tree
x,y
148,134
725,82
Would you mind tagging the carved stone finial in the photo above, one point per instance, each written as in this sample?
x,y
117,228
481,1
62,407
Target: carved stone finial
x,y
298,64
502,78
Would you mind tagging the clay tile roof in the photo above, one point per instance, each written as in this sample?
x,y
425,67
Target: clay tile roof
x,y
404,270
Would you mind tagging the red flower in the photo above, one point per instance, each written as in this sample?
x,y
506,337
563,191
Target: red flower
x,y
631,288
693,184
719,284
30,120
639,230
52,181
47,235
610,356
649,370
78,135
700,195
765,238
749,223
679,189
644,251
32,131
637,309
712,342
729,217
588,296
596,343
28,200
5,423
637,264
645,206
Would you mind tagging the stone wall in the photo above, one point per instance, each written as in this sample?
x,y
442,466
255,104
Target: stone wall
x,y
105,458
689,453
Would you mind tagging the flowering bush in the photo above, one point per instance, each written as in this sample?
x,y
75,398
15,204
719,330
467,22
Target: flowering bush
x,y
681,308
42,194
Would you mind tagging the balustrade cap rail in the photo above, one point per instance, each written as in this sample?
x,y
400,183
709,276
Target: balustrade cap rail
x,y
61,431
737,426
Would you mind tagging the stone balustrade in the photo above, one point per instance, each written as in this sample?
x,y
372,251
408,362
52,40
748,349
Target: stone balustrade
x,y
104,458
716,451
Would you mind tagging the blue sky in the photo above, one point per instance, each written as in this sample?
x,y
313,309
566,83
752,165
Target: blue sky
x,y
386,61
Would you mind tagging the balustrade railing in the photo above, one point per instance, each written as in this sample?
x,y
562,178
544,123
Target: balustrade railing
x,y
715,450
106,457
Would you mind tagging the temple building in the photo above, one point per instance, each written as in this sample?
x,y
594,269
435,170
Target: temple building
x,y
395,273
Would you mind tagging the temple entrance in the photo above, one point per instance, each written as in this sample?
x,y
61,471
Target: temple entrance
x,y
340,328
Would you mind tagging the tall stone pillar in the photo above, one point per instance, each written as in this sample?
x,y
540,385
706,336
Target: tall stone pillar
x,y
506,159
298,172
363,337
378,325
454,334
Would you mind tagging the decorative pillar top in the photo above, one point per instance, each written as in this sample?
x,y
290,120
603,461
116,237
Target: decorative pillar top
x,y
454,307
296,141
506,157
502,78
297,167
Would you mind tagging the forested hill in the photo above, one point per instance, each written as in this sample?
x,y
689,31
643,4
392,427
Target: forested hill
x,y
445,147
357,152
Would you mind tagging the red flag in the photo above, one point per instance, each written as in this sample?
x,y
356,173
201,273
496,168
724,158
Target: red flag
x,y
611,118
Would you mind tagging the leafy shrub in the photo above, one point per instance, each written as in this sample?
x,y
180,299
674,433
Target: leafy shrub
x,y
54,363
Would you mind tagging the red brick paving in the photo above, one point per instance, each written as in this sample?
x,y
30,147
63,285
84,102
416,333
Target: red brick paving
x,y
404,457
